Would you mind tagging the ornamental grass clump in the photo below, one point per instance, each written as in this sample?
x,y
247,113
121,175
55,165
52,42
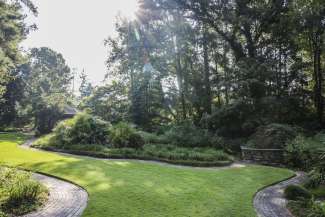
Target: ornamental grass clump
x,y
19,193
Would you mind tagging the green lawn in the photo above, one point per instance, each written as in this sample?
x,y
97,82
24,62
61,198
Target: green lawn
x,y
129,188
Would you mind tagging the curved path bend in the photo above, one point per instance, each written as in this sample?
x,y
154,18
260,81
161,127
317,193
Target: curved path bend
x,y
65,199
270,201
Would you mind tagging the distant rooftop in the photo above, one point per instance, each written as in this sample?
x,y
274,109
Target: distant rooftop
x,y
70,111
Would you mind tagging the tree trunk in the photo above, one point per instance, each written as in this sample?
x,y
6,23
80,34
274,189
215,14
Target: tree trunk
x,y
225,52
217,79
179,70
318,78
207,103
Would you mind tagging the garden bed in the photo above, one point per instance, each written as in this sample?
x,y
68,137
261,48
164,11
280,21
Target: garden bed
x,y
200,157
139,157
19,192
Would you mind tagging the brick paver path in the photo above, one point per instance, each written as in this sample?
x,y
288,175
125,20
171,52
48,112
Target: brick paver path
x,y
65,199
270,202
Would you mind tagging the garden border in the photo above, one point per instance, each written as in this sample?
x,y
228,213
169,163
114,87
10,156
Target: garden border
x,y
51,207
28,143
279,211
174,162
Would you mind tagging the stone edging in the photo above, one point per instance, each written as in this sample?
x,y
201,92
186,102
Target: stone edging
x,y
263,156
270,201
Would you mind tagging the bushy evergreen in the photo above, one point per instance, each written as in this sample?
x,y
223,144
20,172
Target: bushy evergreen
x,y
123,135
82,129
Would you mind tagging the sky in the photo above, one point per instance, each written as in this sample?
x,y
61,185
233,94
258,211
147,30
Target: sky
x,y
77,29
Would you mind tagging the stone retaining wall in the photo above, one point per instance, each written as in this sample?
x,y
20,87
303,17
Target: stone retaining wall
x,y
263,156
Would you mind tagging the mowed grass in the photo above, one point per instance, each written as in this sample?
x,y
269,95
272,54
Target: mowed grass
x,y
130,188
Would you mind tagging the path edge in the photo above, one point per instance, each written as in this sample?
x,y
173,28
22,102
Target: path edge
x,y
272,184
51,176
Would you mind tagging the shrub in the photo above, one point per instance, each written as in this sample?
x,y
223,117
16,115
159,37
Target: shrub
x,y
152,138
298,153
317,210
46,141
46,116
82,129
2,214
182,153
18,192
296,192
304,152
123,135
307,208
272,136
315,179
232,120
318,192
187,135
317,175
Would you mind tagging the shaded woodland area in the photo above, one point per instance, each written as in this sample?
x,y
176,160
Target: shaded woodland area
x,y
227,66
230,66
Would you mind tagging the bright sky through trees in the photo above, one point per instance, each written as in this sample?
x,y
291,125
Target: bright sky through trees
x,y
77,29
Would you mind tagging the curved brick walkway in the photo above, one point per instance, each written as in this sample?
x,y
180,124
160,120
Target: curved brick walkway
x,y
65,199
270,202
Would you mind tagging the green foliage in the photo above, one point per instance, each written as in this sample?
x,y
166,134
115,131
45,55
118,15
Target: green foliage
x,y
48,91
317,210
2,214
188,135
233,119
316,179
110,102
182,153
13,29
161,152
46,141
317,175
19,193
123,135
298,153
296,192
86,87
304,152
309,208
81,129
152,138
318,191
272,136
